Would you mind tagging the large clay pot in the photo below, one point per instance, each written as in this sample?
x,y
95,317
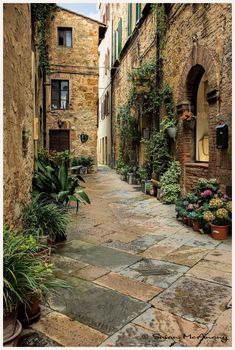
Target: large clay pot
x,y
196,225
29,313
11,326
219,232
185,220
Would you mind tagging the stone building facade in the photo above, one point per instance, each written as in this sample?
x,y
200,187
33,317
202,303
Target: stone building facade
x,y
18,109
72,85
196,61
104,140
135,43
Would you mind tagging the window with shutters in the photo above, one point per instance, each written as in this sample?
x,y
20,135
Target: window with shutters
x,y
129,26
119,36
138,12
114,46
59,94
65,37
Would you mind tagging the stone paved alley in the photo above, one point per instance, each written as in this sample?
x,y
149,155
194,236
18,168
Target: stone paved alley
x,y
139,276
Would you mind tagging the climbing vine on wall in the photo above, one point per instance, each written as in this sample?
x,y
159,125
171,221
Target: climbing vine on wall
x,y
42,14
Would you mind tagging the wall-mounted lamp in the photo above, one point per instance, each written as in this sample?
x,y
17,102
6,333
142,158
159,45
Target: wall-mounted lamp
x,y
60,123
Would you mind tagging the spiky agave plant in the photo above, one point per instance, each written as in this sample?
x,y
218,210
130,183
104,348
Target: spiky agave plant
x,y
56,184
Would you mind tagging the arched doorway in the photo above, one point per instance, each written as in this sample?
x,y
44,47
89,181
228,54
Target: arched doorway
x,y
196,89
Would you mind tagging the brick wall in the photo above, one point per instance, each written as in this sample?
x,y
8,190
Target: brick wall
x,y
201,34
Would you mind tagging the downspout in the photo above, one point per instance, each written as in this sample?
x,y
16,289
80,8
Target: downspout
x,y
111,98
44,107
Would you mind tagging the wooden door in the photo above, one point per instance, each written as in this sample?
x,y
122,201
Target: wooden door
x,y
59,140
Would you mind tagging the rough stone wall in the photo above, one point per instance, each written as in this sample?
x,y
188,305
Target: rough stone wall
x,y
18,109
79,65
141,48
201,34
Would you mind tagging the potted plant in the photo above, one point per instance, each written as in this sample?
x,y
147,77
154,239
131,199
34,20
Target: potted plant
x,y
45,222
169,124
189,119
21,276
123,173
219,217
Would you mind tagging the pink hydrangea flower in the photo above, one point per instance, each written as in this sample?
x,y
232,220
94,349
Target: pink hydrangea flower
x,y
206,193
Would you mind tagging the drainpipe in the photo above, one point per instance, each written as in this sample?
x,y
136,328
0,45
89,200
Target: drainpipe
x,y
44,108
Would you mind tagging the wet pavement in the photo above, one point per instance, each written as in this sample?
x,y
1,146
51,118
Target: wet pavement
x,y
137,276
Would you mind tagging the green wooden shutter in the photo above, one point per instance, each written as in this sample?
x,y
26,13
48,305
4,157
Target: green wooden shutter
x,y
138,12
119,36
129,28
114,46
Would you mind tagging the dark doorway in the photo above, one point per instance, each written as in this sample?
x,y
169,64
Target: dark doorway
x,y
59,140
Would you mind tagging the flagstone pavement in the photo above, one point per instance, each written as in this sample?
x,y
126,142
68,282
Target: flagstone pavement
x,y
137,276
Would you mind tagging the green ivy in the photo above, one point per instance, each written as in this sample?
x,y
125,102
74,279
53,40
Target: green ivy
x,y
42,14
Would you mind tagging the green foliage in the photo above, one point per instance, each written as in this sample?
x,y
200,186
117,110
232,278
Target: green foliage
x,y
170,188
142,173
42,14
157,152
23,273
129,134
44,219
85,161
54,184
54,159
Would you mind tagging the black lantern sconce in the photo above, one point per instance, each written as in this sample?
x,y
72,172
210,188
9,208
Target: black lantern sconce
x,y
222,136
60,124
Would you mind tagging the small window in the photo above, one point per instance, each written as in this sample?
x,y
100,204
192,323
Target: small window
x,y
59,94
65,37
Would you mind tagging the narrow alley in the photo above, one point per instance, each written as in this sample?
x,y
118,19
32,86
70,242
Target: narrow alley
x,y
139,277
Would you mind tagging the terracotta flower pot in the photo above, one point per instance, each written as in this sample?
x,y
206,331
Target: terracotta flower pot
x,y
185,220
190,222
219,232
11,328
196,225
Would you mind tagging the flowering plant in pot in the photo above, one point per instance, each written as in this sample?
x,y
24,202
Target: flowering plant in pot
x,y
219,216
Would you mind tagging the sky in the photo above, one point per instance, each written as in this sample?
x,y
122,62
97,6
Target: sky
x,y
90,9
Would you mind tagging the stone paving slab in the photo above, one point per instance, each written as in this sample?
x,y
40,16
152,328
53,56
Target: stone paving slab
x,y
221,333
100,308
133,335
90,273
194,299
68,332
204,241
186,255
123,236
157,273
222,256
68,265
212,271
169,325
225,245
138,245
98,255
157,252
36,339
128,286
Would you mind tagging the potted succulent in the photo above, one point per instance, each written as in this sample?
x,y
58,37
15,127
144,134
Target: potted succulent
x,y
219,217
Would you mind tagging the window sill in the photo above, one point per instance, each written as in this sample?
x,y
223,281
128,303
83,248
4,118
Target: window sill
x,y
198,165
